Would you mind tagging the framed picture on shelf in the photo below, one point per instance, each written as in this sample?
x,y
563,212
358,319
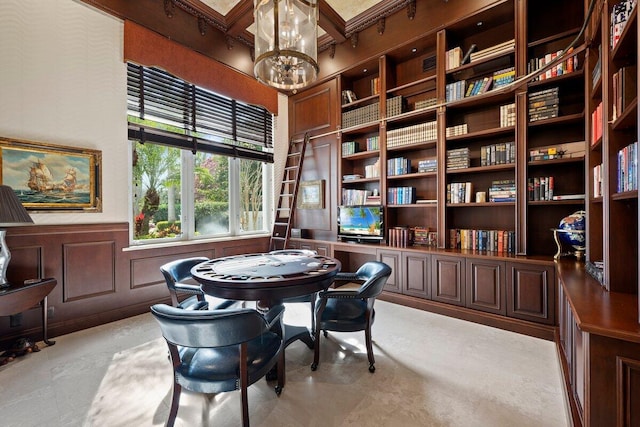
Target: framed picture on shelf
x,y
311,195
48,177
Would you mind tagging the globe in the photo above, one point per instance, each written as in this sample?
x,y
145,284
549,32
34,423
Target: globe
x,y
574,222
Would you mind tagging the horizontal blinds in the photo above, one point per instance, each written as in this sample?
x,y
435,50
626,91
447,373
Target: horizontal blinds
x,y
191,117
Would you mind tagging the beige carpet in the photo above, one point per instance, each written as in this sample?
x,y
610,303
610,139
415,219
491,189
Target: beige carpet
x,y
430,371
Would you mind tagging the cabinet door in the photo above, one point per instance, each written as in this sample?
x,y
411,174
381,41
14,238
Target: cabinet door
x,y
486,286
392,259
530,292
447,279
417,274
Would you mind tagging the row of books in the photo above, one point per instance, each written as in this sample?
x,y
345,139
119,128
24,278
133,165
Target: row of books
x,y
425,236
375,86
566,66
597,121
624,89
498,154
458,158
479,86
455,91
498,49
628,168
547,153
361,115
503,77
428,165
350,147
348,96
462,129
426,103
543,104
540,188
401,195
597,69
399,237
352,196
459,192
415,134
501,241
597,180
398,166
373,170
620,14
373,143
508,115
502,191
453,58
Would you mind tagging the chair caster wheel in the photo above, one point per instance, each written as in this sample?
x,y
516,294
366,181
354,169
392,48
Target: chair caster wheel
x,y
372,368
314,366
278,390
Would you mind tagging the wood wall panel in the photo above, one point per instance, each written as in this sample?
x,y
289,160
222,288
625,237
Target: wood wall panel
x,y
628,391
312,112
146,271
26,263
93,266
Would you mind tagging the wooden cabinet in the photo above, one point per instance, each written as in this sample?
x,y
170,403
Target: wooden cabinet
x,y
531,292
448,279
485,285
416,268
394,260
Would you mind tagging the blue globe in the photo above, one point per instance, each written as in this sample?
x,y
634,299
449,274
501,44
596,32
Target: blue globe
x,y
574,222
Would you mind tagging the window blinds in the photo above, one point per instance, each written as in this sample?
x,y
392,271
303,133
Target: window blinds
x,y
173,112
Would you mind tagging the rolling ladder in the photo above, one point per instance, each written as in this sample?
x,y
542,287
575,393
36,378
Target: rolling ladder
x,y
288,194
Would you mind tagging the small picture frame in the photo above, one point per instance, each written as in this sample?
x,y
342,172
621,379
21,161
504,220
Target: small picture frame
x,y
311,195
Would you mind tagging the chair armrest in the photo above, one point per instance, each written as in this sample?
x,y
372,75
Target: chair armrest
x,y
345,275
274,315
189,289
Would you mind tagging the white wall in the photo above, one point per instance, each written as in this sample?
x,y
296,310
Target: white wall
x,y
62,81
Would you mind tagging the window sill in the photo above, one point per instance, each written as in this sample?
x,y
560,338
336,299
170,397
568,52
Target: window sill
x,y
138,247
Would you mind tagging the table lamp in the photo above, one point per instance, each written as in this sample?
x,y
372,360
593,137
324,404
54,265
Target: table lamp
x,y
11,212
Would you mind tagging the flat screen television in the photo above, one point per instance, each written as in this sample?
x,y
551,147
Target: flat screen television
x,y
361,223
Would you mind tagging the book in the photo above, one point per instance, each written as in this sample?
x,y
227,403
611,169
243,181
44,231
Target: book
x,y
569,197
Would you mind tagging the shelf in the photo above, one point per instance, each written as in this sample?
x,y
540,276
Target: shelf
x,y
596,145
481,169
558,120
412,84
558,79
481,205
628,119
555,202
418,146
483,133
414,115
362,155
360,102
555,37
412,175
556,161
627,195
493,96
414,205
360,180
480,62
363,128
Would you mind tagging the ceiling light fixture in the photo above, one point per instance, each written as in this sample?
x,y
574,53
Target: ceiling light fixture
x,y
286,43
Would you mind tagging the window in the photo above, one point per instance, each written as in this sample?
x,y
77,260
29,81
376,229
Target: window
x,y
201,162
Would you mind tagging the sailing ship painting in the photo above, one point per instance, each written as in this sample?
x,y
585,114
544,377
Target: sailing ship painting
x,y
49,178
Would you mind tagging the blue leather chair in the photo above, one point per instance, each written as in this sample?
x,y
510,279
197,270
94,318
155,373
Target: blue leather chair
x,y
177,274
214,351
350,309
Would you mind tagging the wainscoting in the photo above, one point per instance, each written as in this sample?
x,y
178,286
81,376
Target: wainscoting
x,y
100,279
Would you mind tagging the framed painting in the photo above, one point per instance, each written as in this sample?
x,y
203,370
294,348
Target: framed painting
x,y
311,195
49,177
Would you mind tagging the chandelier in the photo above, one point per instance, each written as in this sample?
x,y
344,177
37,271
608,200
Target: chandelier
x,y
286,43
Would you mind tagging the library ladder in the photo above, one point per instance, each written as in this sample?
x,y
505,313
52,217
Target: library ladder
x,y
288,194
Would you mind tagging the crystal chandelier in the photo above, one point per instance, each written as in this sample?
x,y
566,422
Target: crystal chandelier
x,y
286,43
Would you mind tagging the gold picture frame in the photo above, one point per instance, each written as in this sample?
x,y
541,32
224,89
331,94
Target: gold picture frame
x,y
48,177
311,195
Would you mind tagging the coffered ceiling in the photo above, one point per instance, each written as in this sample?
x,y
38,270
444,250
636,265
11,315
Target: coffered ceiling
x,y
338,19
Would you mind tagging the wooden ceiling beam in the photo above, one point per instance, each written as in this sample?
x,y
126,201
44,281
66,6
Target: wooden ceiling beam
x,y
239,18
331,22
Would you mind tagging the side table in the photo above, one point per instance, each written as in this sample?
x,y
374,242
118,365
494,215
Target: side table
x,y
19,297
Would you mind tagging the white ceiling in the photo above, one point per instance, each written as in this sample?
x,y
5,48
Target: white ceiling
x,y
347,9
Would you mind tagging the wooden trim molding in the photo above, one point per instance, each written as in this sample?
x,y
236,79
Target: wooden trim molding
x,y
194,67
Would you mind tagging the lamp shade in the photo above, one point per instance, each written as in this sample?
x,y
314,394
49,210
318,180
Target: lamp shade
x,y
286,42
11,209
